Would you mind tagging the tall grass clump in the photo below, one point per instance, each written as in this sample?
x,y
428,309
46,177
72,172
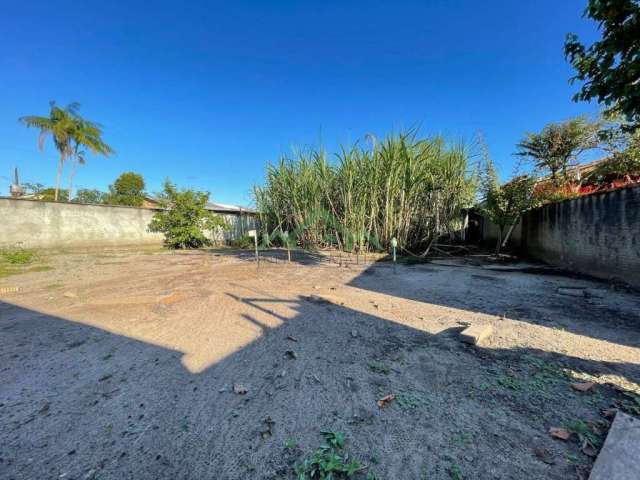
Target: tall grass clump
x,y
403,186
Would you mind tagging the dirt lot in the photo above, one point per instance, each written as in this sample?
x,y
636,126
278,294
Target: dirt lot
x,y
121,364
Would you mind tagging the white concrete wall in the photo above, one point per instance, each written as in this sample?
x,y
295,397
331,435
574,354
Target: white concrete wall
x,y
48,224
32,223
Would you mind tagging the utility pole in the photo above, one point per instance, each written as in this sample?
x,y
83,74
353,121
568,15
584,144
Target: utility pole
x,y
16,189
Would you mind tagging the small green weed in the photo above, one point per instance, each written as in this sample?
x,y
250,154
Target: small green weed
x,y
462,439
455,472
379,367
290,444
536,379
510,383
411,400
631,404
590,436
18,256
330,462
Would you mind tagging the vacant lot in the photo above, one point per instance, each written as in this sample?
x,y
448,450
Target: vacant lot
x,y
122,364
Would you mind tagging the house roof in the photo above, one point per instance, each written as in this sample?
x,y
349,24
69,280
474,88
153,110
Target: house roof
x,y
228,208
214,206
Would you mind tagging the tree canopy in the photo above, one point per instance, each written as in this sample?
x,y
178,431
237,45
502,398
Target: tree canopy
x,y
184,218
128,189
70,133
92,196
610,67
558,145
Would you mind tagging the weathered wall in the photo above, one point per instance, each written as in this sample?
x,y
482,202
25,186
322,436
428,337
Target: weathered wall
x,y
596,234
48,224
239,225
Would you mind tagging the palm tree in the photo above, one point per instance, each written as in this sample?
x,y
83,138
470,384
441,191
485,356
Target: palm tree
x,y
86,134
69,132
77,159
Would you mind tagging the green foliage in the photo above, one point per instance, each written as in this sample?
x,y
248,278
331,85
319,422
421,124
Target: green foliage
x,y
244,242
624,156
330,462
411,400
70,133
379,367
128,189
558,146
17,256
185,218
609,68
290,444
587,435
49,195
631,403
90,196
504,204
455,472
403,186
33,188
16,260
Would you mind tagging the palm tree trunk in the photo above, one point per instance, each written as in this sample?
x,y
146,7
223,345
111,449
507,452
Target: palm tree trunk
x,y
58,176
72,174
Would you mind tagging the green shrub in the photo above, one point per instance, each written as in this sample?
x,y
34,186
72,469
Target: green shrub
x,y
18,256
245,242
185,218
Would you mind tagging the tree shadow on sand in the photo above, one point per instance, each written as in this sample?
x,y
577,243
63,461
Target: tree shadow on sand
x,y
83,402
598,311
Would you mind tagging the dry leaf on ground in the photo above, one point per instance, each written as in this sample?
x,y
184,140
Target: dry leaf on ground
x,y
561,433
384,401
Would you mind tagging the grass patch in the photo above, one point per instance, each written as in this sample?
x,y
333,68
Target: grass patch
x,y
535,379
17,256
19,260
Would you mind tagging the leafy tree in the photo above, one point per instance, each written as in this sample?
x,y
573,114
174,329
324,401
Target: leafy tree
x,y
623,148
184,218
33,188
128,189
558,146
610,68
51,195
69,132
505,204
91,196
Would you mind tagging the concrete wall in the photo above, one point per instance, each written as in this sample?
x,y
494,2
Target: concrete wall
x,y
48,224
596,234
39,224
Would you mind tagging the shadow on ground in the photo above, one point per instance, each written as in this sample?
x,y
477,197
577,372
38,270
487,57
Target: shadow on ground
x,y
598,311
80,402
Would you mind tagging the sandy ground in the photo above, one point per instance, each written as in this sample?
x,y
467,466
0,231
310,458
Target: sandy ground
x,y
121,364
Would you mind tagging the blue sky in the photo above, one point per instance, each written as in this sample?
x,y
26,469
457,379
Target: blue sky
x,y
207,93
